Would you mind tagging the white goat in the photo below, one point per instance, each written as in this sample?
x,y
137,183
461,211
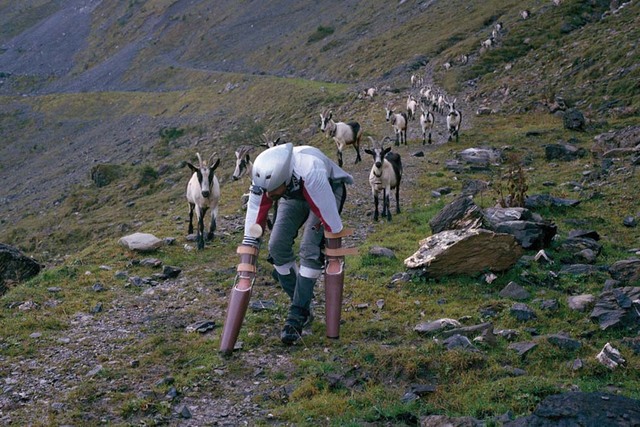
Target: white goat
x,y
385,175
203,193
487,43
454,120
399,122
412,105
243,162
525,14
427,120
371,92
342,133
243,158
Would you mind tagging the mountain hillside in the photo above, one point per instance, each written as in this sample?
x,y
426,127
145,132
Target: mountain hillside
x,y
102,103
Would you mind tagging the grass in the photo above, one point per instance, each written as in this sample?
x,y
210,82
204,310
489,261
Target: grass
x,y
363,376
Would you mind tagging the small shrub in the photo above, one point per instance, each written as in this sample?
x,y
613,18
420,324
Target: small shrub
x,y
103,175
320,33
512,188
170,134
148,175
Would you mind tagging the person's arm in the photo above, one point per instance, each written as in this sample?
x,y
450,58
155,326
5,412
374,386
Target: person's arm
x,y
318,193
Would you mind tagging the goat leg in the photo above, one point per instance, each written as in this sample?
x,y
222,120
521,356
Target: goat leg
x,y
375,202
386,206
200,236
191,207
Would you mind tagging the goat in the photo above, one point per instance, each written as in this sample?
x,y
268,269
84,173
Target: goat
x,y
342,133
243,162
525,14
487,43
203,193
411,107
427,120
385,175
244,165
371,92
243,159
463,59
446,65
399,122
454,120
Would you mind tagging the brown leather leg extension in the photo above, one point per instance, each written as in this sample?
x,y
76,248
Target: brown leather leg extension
x,y
334,280
239,299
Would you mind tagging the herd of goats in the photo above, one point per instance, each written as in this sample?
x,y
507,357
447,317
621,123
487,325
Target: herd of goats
x,y
203,189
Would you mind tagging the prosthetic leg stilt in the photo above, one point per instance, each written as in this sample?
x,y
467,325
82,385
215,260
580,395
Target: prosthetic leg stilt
x,y
334,280
240,296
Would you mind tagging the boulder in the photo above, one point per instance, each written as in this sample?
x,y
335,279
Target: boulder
x,y
547,200
574,120
464,252
15,267
141,242
582,409
618,307
626,271
564,152
627,138
480,156
529,234
462,213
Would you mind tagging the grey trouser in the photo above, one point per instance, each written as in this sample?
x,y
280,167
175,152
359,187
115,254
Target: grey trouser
x,y
292,214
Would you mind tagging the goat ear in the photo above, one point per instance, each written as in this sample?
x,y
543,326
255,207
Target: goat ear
x,y
215,165
193,168
276,142
385,151
246,158
366,150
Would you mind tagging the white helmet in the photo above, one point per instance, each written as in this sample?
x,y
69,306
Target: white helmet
x,y
273,167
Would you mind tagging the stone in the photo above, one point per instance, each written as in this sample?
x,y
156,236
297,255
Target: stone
x,y
629,221
564,342
461,213
580,302
459,342
464,252
427,328
565,152
617,308
610,357
379,251
15,267
574,120
582,409
480,156
522,312
626,271
171,272
529,234
522,348
514,291
547,200
141,242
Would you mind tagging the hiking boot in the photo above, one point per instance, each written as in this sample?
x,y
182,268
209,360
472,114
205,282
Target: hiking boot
x,y
308,320
290,333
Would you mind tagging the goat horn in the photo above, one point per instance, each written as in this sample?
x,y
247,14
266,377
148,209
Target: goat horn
x,y
199,159
210,162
